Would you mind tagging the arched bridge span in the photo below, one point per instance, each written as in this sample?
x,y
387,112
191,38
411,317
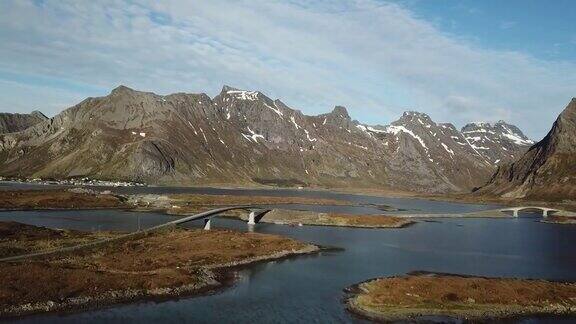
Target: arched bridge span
x,y
515,210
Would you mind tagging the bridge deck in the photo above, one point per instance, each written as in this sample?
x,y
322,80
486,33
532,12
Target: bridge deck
x,y
204,215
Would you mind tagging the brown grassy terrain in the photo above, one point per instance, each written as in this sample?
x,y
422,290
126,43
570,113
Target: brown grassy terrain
x,y
364,221
171,262
297,217
189,204
56,199
559,219
17,238
226,200
463,297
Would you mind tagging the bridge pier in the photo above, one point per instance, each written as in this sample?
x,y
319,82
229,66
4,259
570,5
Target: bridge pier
x,y
207,223
252,218
545,212
516,210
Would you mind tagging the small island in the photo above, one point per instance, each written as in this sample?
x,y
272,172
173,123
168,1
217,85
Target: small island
x,y
298,217
560,219
171,262
428,294
60,199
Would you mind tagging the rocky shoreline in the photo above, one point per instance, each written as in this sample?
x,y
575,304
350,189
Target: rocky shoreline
x,y
211,278
161,265
365,299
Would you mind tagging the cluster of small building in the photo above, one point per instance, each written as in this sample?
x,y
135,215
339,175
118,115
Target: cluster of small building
x,y
75,182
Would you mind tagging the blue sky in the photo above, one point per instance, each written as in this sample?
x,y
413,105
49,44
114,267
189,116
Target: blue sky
x,y
458,61
544,29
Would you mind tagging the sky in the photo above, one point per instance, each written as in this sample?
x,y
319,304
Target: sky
x,y
457,61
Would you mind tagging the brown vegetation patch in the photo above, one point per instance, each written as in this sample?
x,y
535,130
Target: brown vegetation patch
x,y
297,217
56,199
559,219
227,200
427,294
163,263
17,238
366,220
184,248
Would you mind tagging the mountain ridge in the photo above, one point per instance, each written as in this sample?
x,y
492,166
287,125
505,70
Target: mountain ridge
x,y
546,170
240,137
15,122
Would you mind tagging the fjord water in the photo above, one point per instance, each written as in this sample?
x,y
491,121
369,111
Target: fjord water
x,y
310,288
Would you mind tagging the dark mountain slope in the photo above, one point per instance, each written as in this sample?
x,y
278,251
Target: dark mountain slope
x,y
10,123
547,170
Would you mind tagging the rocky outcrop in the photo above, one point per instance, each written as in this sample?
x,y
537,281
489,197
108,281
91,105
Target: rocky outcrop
x,y
10,123
240,137
547,170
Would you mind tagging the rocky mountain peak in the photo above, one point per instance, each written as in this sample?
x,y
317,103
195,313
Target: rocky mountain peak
x,y
340,111
562,136
497,132
476,126
409,117
122,89
228,91
38,114
417,114
10,123
227,88
498,142
569,112
546,170
337,117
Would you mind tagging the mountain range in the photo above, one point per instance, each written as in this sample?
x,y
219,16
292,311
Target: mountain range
x,y
547,170
243,137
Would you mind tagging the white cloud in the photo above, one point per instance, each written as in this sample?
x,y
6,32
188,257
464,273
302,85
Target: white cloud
x,y
376,58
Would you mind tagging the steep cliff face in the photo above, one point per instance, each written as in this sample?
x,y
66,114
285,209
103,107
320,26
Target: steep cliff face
x,y
547,170
10,123
240,137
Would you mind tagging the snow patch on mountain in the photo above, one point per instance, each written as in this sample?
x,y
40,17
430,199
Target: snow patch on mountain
x,y
275,109
518,140
294,122
243,94
311,139
447,149
397,129
252,136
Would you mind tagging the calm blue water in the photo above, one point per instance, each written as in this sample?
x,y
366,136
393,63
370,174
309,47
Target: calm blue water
x,y
309,289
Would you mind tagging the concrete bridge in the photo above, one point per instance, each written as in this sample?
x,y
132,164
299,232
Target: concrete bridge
x,y
515,210
254,217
